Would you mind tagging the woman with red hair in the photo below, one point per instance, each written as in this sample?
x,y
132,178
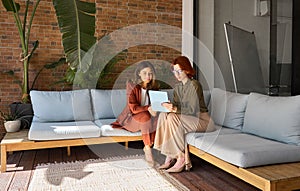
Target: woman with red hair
x,y
187,113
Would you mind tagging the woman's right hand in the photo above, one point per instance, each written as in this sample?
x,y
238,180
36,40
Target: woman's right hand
x,y
169,106
153,113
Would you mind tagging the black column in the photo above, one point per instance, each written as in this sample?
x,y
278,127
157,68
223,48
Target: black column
x,y
295,87
196,37
275,68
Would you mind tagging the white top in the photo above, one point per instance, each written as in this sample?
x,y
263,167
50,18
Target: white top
x,y
145,100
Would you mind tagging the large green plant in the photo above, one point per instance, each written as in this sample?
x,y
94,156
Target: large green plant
x,y
96,76
24,33
76,21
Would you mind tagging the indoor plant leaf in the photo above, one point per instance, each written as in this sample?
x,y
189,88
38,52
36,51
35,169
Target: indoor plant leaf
x,y
9,5
35,45
76,21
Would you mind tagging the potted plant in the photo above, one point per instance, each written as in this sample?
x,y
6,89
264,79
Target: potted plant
x,y
12,122
24,28
24,34
24,107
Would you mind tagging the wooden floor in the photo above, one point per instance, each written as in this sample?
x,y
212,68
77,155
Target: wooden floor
x,y
203,176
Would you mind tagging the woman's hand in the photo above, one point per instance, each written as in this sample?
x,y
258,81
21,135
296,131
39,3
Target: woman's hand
x,y
152,113
169,106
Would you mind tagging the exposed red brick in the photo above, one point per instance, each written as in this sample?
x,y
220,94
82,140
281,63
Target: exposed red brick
x,y
111,15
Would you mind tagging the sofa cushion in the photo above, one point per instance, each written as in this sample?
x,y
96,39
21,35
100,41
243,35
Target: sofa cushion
x,y
108,103
207,96
228,108
107,130
275,118
190,137
63,130
52,106
246,150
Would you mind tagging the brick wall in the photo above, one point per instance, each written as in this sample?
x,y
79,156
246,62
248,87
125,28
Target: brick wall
x,y
111,16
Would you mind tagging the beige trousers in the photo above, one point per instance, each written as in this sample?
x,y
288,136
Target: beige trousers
x,y
171,130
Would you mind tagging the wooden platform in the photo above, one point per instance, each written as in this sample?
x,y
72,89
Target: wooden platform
x,y
18,141
280,177
202,177
284,177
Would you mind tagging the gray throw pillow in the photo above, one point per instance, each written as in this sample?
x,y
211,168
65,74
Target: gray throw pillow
x,y
276,118
108,104
57,106
227,108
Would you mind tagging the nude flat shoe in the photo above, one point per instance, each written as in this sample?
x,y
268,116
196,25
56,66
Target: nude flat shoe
x,y
149,156
184,166
167,164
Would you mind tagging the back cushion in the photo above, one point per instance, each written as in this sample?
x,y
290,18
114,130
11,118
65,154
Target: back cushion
x,y
55,106
108,104
206,95
170,93
227,108
276,118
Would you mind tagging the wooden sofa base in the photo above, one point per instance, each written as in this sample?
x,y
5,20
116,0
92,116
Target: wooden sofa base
x,y
279,177
19,142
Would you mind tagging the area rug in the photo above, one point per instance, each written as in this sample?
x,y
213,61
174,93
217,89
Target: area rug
x,y
130,173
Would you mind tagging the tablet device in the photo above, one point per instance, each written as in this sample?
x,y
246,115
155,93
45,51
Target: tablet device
x,y
157,98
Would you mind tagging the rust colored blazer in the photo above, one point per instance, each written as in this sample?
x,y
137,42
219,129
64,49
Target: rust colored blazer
x,y
133,105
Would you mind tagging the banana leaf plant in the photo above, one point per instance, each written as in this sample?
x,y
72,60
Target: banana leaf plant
x,y
24,34
76,20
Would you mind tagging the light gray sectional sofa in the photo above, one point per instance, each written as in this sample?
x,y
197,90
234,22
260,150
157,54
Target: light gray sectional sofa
x,y
253,129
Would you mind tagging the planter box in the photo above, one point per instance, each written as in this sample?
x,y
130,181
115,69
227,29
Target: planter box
x,y
24,111
12,126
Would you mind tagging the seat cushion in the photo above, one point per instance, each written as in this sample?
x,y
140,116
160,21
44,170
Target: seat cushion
x,y
227,108
63,130
58,106
192,137
107,130
247,150
276,118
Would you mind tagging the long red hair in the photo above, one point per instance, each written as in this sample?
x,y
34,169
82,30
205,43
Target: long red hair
x,y
184,65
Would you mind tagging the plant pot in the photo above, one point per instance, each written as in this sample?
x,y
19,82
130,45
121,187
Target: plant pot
x,y
24,111
12,126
